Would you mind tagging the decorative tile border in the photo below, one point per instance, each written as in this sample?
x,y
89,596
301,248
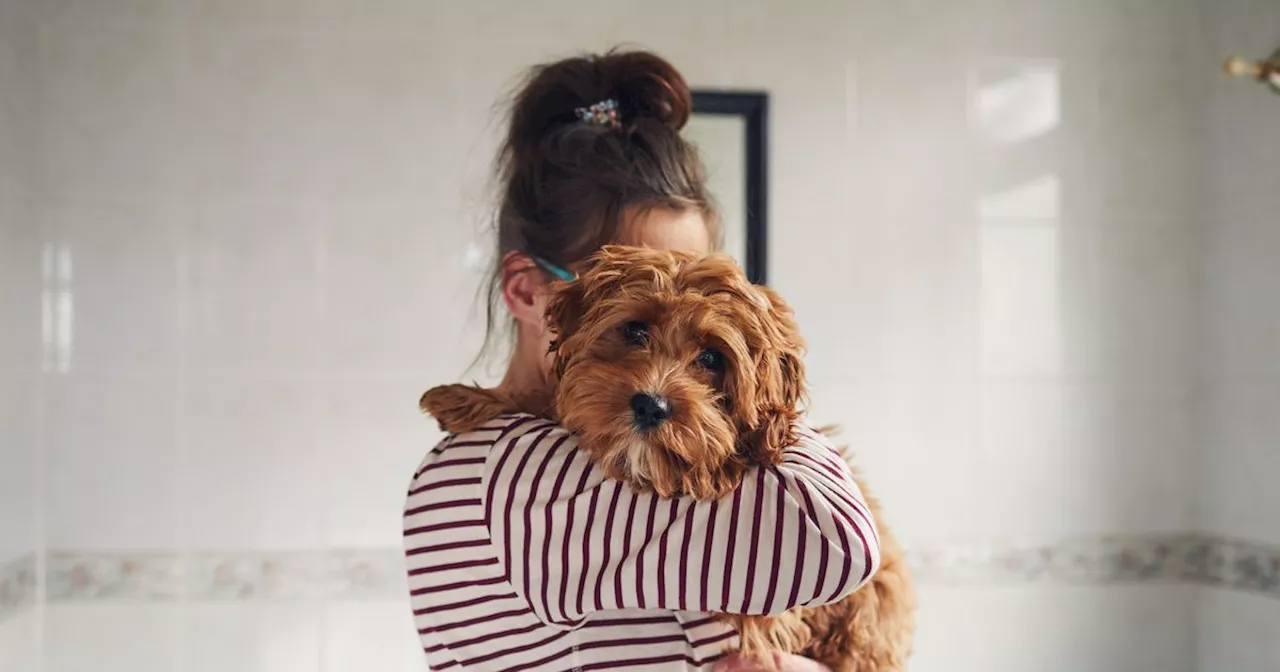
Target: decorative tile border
x,y
1102,560
1246,566
378,573
1218,562
226,576
17,585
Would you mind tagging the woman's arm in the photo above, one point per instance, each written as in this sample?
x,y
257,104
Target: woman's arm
x,y
573,542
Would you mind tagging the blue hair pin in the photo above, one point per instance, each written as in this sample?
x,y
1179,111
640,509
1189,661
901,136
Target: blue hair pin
x,y
554,270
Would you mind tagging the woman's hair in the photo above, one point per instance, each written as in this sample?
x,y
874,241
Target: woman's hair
x,y
565,183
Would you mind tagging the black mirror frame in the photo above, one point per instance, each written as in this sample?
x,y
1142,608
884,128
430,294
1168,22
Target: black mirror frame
x,y
753,108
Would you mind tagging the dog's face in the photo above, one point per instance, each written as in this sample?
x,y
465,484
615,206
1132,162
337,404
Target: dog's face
x,y
675,371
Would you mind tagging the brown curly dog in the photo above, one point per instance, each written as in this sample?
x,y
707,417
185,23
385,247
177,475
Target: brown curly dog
x,y
678,375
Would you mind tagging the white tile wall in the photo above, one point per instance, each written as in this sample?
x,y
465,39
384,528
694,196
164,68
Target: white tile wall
x,y
371,435
1056,628
119,264
1133,448
987,216
16,82
19,369
1243,336
20,538
1242,423
109,111
916,443
112,456
255,101
344,637
370,635
142,637
1237,631
252,476
18,493
376,289
20,648
253,296
1241,332
265,638
1090,458
1138,302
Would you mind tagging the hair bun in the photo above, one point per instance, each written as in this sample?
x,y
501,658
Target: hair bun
x,y
644,84
647,86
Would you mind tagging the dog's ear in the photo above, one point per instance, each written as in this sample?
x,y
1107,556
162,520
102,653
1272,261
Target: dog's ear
x,y
791,381
564,311
603,276
789,348
599,277
781,386
564,314
779,392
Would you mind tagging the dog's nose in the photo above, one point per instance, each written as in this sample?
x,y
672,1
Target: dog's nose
x,y
649,410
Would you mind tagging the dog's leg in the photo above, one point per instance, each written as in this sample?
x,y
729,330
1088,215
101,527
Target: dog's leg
x,y
463,408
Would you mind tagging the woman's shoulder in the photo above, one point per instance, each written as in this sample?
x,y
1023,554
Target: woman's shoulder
x,y
505,428
823,436
494,437
526,457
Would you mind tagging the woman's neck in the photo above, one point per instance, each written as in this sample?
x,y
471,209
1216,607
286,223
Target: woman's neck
x,y
526,373
525,387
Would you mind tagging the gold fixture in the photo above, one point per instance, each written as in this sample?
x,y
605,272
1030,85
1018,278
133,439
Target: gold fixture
x,y
1266,71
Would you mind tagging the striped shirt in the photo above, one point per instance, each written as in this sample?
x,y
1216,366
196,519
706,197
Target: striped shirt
x,y
523,556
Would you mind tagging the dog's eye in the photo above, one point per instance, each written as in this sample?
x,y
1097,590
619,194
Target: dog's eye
x,y
635,333
711,361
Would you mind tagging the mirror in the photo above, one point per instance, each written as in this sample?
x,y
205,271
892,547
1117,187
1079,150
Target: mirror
x,y
730,130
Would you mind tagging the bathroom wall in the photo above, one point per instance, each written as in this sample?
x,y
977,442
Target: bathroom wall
x,y
1242,358
19,339
258,227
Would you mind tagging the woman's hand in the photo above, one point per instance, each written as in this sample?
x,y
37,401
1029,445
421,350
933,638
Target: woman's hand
x,y
778,662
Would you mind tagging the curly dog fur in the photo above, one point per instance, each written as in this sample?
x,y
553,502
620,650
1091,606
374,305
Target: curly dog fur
x,y
724,356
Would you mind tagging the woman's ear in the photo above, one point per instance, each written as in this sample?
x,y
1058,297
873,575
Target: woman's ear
x,y
522,288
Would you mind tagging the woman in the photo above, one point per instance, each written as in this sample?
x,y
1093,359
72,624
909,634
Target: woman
x,y
521,555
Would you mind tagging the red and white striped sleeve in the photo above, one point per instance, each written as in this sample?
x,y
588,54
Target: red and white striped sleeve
x,y
573,542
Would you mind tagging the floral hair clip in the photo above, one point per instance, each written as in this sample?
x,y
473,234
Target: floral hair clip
x,y
603,113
